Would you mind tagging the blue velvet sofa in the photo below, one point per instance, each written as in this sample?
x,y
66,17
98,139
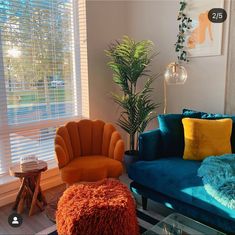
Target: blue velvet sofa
x,y
161,174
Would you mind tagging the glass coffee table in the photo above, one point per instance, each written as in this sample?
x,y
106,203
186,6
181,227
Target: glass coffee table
x,y
177,224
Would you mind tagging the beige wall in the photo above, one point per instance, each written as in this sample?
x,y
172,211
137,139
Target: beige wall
x,y
154,20
205,87
106,22
230,88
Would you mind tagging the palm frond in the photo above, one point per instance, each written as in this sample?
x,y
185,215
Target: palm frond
x,y
129,61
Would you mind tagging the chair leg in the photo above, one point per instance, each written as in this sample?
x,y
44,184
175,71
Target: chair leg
x,y
144,202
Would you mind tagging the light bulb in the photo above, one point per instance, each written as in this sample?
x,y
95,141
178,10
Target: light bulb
x,y
175,74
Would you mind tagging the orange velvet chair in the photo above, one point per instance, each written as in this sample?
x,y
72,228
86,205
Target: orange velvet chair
x,y
88,151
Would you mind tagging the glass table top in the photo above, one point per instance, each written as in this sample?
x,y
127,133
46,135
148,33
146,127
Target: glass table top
x,y
177,224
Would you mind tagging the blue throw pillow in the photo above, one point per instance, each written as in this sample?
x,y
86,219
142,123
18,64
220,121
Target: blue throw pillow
x,y
192,112
172,132
213,116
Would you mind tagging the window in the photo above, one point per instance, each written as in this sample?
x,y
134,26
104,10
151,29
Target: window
x,y
43,74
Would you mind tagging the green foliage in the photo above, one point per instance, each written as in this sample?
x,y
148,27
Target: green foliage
x,y
129,61
43,37
184,26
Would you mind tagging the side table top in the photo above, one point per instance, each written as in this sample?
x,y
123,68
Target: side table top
x,y
15,170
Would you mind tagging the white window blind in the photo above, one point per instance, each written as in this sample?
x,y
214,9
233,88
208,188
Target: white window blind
x,y
43,74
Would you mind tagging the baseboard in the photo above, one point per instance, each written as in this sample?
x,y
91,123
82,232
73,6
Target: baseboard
x,y
8,191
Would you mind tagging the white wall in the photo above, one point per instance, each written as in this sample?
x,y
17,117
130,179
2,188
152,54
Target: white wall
x,y
205,87
154,20
106,22
230,96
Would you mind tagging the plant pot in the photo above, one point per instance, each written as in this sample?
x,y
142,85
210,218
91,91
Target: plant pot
x,y
129,158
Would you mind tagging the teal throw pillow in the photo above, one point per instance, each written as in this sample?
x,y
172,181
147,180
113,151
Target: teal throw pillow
x,y
172,133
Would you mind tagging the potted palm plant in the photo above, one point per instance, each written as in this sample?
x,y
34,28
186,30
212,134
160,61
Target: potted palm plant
x,y
129,61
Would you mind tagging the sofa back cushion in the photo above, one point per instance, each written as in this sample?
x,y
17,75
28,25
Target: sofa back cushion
x,y
172,133
214,116
204,138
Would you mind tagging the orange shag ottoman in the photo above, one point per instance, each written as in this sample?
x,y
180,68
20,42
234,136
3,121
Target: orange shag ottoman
x,y
102,208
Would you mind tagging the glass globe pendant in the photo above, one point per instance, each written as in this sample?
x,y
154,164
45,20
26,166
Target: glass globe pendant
x,y
175,74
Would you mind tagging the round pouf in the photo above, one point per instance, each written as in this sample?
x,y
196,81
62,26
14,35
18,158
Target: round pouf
x,y
102,208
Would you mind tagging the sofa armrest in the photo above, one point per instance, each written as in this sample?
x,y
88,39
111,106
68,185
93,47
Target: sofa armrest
x,y
150,143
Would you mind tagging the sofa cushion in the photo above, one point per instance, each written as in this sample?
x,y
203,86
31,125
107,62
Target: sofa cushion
x,y
213,116
222,116
192,112
172,133
204,138
150,145
178,179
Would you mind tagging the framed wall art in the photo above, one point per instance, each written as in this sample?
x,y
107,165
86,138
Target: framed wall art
x,y
205,37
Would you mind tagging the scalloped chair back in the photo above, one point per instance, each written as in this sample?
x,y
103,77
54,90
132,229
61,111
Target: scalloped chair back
x,y
88,151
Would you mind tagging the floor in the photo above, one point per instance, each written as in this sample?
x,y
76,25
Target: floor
x,y
40,221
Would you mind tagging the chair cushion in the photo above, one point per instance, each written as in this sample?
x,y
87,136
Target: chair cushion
x,y
172,133
91,168
204,138
177,178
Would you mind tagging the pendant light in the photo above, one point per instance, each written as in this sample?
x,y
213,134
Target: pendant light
x,y
175,74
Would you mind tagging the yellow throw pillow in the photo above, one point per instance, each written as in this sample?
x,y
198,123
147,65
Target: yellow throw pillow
x,y
204,138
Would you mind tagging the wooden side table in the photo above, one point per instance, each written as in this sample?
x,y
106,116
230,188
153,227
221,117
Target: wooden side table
x,y
30,190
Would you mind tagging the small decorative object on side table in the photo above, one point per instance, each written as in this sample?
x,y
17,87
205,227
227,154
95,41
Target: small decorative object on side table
x,y
30,190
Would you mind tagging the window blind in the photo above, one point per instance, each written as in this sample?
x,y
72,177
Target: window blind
x,y
43,74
